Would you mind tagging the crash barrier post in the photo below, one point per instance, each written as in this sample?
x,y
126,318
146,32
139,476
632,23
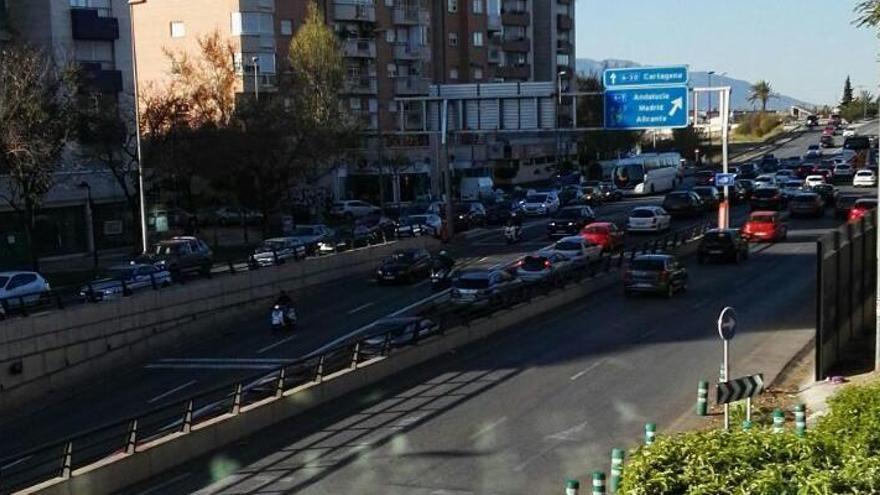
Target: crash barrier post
x,y
702,398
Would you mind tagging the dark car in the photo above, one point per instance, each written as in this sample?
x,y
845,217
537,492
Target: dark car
x,y
742,190
723,245
655,273
498,212
570,220
767,198
610,192
404,265
680,204
769,163
470,215
483,286
748,171
179,255
806,204
827,192
709,195
843,205
705,178
571,194
826,141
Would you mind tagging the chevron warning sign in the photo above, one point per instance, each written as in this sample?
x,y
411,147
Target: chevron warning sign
x,y
739,389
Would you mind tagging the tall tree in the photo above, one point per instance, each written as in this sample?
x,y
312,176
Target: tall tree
x,y
847,92
38,118
761,91
867,13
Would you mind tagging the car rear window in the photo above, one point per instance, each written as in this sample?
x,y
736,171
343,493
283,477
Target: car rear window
x,y
534,262
472,283
765,193
596,230
642,214
648,264
568,246
536,198
762,219
804,198
569,213
3,281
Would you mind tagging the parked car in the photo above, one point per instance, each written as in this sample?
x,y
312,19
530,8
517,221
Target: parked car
x,y
604,234
483,286
864,178
123,280
682,204
353,208
648,219
406,265
428,224
544,268
843,205
279,250
540,204
764,226
312,235
724,245
767,198
21,287
861,207
709,195
180,254
579,250
655,273
570,220
397,332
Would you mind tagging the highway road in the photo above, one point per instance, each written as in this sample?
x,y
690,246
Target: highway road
x,y
544,401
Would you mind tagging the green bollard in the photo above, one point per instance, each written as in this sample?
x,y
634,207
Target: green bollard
x,y
800,420
598,483
778,421
747,425
703,398
650,433
616,469
572,487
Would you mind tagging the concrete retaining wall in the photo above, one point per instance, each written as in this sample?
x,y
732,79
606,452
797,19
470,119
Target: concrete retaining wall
x,y
58,349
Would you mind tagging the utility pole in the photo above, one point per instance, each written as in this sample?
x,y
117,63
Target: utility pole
x,y
256,62
137,126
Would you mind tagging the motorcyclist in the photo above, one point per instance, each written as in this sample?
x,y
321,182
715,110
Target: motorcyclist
x,y
513,228
283,312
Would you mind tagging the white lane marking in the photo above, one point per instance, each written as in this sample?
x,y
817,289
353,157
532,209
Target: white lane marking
x,y
165,484
569,434
423,282
489,427
586,370
13,463
359,308
173,390
276,344
484,258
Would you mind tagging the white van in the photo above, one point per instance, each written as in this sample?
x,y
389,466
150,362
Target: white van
x,y
476,188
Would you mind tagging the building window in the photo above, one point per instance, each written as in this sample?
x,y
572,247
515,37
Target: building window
x,y
354,103
453,39
392,70
389,36
562,59
452,6
243,62
389,3
95,51
252,23
478,73
178,29
286,27
478,38
453,73
478,6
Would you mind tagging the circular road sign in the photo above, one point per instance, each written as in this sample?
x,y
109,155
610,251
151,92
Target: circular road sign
x,y
727,323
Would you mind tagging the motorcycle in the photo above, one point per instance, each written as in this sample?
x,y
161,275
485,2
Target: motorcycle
x,y
283,318
441,276
512,233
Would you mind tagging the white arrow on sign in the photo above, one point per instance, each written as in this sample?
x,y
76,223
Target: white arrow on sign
x,y
677,105
613,78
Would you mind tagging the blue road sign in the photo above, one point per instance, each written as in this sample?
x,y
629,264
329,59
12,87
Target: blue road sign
x,y
646,108
645,76
722,180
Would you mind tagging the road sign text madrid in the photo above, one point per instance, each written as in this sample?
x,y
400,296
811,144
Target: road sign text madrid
x,y
646,108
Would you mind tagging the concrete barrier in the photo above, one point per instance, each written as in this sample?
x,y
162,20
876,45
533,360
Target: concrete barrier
x,y
59,349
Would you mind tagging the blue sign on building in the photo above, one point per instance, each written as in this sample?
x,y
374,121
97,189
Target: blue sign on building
x,y
646,108
645,76
722,180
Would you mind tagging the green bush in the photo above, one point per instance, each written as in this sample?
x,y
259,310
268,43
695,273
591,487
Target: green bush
x,y
758,124
840,455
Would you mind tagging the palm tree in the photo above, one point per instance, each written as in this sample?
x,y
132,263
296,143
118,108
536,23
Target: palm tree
x,y
867,13
761,91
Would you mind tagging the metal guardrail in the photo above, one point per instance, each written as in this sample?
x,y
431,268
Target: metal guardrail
x,y
34,302
58,459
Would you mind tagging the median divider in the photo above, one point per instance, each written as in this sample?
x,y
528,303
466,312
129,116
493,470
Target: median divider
x,y
143,447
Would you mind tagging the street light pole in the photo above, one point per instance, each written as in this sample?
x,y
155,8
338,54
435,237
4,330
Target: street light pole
x,y
91,216
559,76
137,126
256,62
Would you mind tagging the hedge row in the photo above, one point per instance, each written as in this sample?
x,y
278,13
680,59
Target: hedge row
x,y
840,455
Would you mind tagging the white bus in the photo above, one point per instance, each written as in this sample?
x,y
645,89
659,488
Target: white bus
x,y
648,173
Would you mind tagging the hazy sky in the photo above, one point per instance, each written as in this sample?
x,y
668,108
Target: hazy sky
x,y
805,48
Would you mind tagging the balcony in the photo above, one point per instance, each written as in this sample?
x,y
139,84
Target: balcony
x,y
520,45
410,15
563,46
523,71
360,86
407,52
563,22
493,22
106,81
515,18
411,85
354,10
88,25
359,48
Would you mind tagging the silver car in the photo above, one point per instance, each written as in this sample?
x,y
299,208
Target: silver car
x,y
548,268
483,286
279,249
123,280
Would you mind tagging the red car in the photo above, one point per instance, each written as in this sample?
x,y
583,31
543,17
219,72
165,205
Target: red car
x,y
764,226
603,234
860,208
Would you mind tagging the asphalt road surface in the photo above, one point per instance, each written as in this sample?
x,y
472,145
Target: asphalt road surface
x,y
542,402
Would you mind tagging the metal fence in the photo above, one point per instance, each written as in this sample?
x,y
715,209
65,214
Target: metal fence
x,y
846,288
60,458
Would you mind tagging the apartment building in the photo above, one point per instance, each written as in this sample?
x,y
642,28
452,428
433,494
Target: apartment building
x,y
93,34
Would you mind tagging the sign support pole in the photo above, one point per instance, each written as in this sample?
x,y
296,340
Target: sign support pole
x,y
726,377
725,125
